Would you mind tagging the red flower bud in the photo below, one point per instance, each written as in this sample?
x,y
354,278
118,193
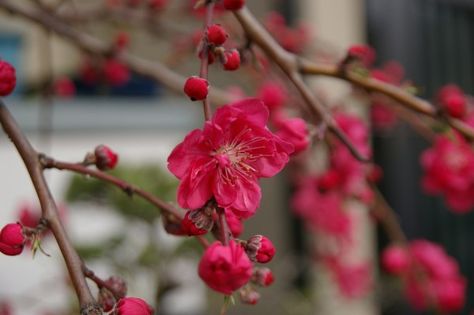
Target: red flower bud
x,y
122,39
232,60
329,180
105,158
158,5
455,105
196,88
7,78
375,174
260,249
364,53
216,35
196,222
233,4
64,87
118,284
395,260
116,73
249,296
133,306
12,239
263,277
452,99
225,268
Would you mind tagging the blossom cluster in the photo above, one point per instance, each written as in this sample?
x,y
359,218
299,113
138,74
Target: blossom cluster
x,y
323,201
219,167
449,171
430,277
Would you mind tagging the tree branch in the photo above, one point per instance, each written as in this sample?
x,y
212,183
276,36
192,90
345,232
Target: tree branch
x,y
395,93
289,64
152,69
128,188
49,211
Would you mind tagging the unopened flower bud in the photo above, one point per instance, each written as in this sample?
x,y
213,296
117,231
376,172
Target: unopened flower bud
x,y
374,174
197,222
12,239
196,88
263,277
118,285
395,260
122,39
225,268
260,249
249,295
7,78
233,4
133,306
365,54
116,73
216,35
232,60
105,158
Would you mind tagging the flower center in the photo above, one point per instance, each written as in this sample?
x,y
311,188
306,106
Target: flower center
x,y
222,159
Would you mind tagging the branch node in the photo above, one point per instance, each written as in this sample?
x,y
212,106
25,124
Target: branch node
x,y
91,309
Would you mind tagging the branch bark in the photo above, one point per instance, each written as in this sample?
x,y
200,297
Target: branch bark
x,y
395,93
289,64
152,69
49,211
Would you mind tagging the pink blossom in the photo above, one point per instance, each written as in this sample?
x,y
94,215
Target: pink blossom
x,y
364,53
291,39
353,279
323,212
433,278
450,294
295,131
273,94
383,116
234,222
452,100
225,268
133,306
395,260
226,158
449,171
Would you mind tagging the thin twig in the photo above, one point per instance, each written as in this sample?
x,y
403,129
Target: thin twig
x,y
204,71
48,162
129,189
152,69
387,217
49,211
395,93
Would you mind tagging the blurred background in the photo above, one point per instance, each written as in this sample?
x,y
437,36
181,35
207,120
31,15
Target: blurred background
x,y
142,121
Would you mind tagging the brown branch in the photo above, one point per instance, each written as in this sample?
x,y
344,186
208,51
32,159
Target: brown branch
x,y
224,233
49,211
395,93
386,216
128,188
289,64
101,283
204,70
152,69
